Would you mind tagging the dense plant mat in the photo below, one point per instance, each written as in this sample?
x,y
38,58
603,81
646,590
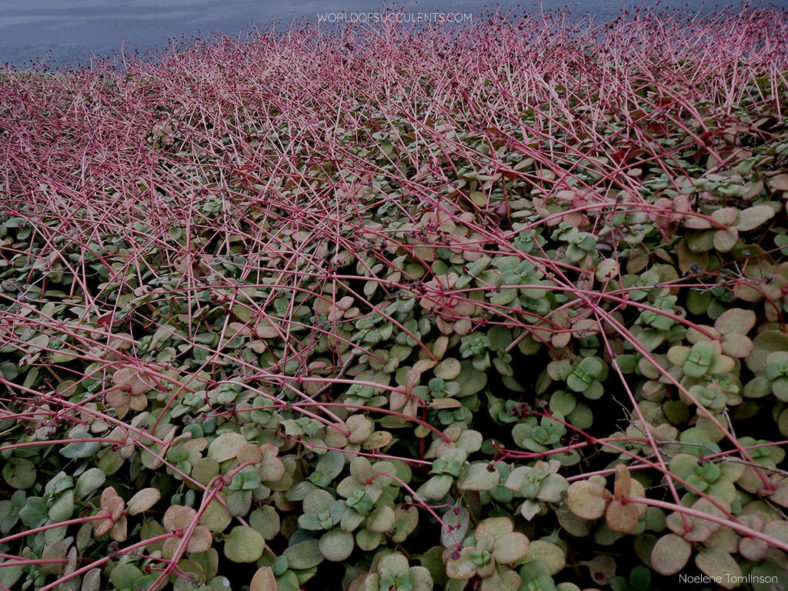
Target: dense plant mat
x,y
494,307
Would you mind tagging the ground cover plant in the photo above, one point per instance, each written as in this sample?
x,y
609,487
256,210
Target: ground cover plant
x,y
494,307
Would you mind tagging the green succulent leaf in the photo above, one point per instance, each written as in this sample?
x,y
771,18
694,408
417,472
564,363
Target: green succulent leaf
x,y
243,544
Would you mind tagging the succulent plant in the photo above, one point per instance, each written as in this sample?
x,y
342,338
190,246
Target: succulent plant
x,y
394,572
709,477
774,379
538,485
436,338
584,375
639,579
539,434
702,359
495,548
579,244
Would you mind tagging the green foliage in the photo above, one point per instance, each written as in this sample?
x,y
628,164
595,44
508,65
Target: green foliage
x,y
440,348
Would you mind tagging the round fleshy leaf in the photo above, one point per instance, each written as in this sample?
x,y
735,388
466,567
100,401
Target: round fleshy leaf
x,y
102,526
124,575
272,471
552,488
444,403
511,547
758,387
780,389
132,379
378,440
111,502
725,240
303,555
63,507
263,580
678,354
529,509
769,571
331,464
470,441
216,517
243,544
421,578
779,182
200,540
226,446
119,530
143,500
765,343
458,519
381,519
406,521
737,321
602,568
448,369
249,452
640,578
204,470
587,499
581,417
317,500
436,487
753,549
670,554
479,476
493,527
336,545
621,518
683,465
623,483
725,215
368,540
393,565
19,473
777,529
178,517
717,564
471,380
563,402
754,216
462,568
501,580
55,551
722,364
736,345
606,270
351,520
9,575
360,428
92,580
549,554
89,481
265,520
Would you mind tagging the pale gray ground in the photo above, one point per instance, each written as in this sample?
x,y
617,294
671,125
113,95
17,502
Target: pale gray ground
x,y
60,32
